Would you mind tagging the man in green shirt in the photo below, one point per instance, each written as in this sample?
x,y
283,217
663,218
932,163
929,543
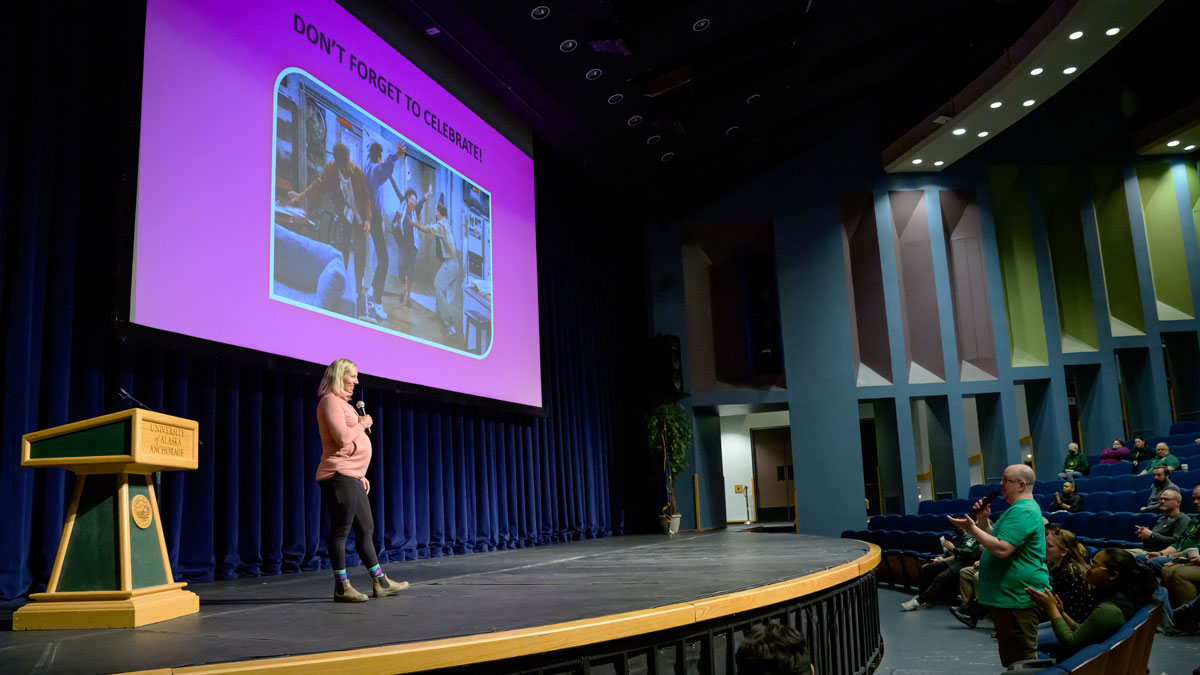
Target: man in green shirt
x,y
1164,458
1014,557
1075,465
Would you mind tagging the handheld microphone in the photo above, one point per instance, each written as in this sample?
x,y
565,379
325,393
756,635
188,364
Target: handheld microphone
x,y
362,410
975,511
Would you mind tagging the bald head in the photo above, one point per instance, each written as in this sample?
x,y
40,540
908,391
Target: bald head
x,y
1022,472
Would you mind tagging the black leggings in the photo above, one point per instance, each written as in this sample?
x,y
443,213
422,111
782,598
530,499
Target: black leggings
x,y
348,506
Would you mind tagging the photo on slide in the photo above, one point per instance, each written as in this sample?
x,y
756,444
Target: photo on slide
x,y
369,228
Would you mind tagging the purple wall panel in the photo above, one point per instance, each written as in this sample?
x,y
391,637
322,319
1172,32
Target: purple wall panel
x,y
865,280
968,283
918,290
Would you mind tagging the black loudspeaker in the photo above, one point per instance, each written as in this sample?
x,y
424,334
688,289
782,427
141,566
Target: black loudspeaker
x,y
666,365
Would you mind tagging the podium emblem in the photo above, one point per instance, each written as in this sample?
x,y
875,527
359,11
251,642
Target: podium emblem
x,y
140,509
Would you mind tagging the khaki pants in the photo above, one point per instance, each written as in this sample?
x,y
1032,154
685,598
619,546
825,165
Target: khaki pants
x,y
968,584
1016,633
1181,582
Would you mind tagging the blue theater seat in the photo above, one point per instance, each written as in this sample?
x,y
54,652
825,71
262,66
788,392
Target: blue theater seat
x,y
1046,487
1125,500
1120,529
1059,518
980,491
929,506
1097,501
1187,481
1044,501
883,522
1098,484
1077,523
1143,482
1122,482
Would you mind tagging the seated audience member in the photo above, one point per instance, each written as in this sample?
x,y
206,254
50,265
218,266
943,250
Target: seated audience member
x,y
939,575
1140,452
773,649
1116,453
1075,465
1121,587
1169,527
1190,539
1162,481
1163,458
1067,500
1067,560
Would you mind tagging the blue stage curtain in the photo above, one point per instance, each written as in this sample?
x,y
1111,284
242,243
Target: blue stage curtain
x,y
447,478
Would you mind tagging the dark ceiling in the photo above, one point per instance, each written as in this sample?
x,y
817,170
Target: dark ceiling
x,y
757,84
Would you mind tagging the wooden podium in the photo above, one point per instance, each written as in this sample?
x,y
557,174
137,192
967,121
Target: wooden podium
x,y
111,570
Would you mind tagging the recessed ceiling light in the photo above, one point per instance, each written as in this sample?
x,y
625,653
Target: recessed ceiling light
x,y
982,134
938,163
567,46
1036,71
996,104
593,74
615,99
700,25
917,160
753,98
634,121
1190,147
653,139
1028,102
540,12
1076,35
432,30
1070,70
959,132
667,156
1172,144
1112,31
732,130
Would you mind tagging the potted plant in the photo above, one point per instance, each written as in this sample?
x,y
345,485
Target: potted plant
x,y
669,433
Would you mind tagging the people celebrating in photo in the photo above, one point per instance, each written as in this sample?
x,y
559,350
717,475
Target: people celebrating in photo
x,y
407,221
448,280
378,172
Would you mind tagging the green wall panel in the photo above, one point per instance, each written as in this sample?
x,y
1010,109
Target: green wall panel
x,y
1121,285
91,562
1018,268
1068,259
1164,239
106,439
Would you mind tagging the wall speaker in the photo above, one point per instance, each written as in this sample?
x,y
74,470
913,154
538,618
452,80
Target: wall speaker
x,y
666,365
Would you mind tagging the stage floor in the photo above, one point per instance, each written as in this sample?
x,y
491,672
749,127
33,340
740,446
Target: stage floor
x,y
456,596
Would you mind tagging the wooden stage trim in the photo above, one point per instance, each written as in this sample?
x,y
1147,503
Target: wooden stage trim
x,y
471,649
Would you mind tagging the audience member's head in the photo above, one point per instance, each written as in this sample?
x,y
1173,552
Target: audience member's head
x,y
1064,550
1114,570
1169,502
1068,489
1018,480
773,649
1162,449
1196,499
1073,448
1161,474
1139,442
1118,444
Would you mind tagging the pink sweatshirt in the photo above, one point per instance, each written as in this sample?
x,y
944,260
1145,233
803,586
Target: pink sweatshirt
x,y
345,446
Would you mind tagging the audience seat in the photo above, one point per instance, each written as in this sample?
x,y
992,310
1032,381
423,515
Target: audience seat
x,y
1126,651
1125,500
1189,427
980,491
1122,482
1187,481
1097,501
1044,501
1143,482
1116,469
1097,484
1120,529
1046,487
1059,518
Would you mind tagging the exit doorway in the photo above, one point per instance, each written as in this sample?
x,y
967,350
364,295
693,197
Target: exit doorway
x,y
771,452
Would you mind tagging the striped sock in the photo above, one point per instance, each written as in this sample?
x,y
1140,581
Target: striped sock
x,y
340,575
375,571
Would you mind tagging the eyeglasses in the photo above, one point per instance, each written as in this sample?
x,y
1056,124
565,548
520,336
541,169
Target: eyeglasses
x,y
1011,480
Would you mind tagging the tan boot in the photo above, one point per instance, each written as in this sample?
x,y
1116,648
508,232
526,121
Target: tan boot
x,y
344,592
382,586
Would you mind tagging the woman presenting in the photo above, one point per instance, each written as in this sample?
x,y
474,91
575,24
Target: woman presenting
x,y
345,454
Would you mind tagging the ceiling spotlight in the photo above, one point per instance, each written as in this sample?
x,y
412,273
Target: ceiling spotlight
x,y
1112,31
996,104
615,99
1076,35
1190,148
540,12
1069,70
1036,71
432,30
959,132
753,98
567,46
634,121
917,160
1171,144
700,25
732,130
1028,102
938,163
982,134
593,74
667,156
653,139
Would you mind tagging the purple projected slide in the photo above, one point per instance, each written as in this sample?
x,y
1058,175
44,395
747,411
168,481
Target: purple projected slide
x,y
304,190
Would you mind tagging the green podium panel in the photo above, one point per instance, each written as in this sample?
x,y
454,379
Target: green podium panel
x,y
112,569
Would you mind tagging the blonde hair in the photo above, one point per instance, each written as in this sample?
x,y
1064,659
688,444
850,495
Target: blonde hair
x,y
335,375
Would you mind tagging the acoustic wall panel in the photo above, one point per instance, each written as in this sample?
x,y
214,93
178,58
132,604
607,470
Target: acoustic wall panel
x,y
1068,259
1018,268
868,314
1193,186
973,329
918,289
1183,373
1164,240
1121,286
1137,390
